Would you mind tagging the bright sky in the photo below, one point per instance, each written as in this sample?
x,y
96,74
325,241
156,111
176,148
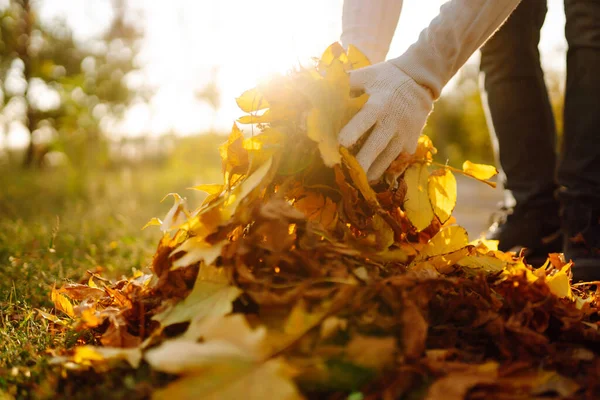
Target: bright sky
x,y
246,40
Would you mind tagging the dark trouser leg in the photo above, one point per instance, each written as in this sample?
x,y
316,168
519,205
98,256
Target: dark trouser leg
x,y
579,167
522,123
522,127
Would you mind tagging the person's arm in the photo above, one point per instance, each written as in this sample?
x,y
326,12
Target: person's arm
x,y
370,25
402,90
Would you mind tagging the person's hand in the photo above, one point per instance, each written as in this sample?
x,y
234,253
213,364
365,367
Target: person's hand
x,y
397,110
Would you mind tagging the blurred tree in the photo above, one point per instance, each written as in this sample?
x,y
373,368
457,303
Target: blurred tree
x,y
458,126
59,89
211,94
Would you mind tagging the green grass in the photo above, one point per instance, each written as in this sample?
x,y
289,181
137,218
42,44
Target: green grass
x,y
57,224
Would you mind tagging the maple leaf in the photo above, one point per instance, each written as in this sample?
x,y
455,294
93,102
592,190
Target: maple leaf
x,y
318,208
347,281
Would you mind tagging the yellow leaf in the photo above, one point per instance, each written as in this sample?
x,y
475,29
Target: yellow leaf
x,y
425,149
235,380
443,263
483,263
446,241
233,329
212,295
485,245
61,303
560,284
255,180
89,354
383,235
356,59
51,317
442,193
252,100
318,208
359,177
335,51
197,250
211,190
234,158
318,128
153,222
479,171
175,215
416,202
301,320
230,363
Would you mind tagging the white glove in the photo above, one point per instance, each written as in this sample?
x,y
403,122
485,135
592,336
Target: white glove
x,y
402,90
398,108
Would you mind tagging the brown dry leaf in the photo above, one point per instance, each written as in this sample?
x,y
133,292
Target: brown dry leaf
x,y
416,204
456,385
79,292
414,330
372,352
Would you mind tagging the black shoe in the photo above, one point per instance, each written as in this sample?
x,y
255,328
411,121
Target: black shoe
x,y
533,230
581,229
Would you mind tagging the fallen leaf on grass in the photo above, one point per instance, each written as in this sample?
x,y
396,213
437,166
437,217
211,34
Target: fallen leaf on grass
x,y
61,303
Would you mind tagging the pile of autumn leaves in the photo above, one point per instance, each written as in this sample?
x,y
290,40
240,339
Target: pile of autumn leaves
x,y
297,278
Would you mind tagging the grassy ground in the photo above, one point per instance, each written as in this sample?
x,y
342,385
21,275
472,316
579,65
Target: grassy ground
x,y
57,224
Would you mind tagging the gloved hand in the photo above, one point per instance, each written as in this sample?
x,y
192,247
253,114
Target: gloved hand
x,y
398,108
